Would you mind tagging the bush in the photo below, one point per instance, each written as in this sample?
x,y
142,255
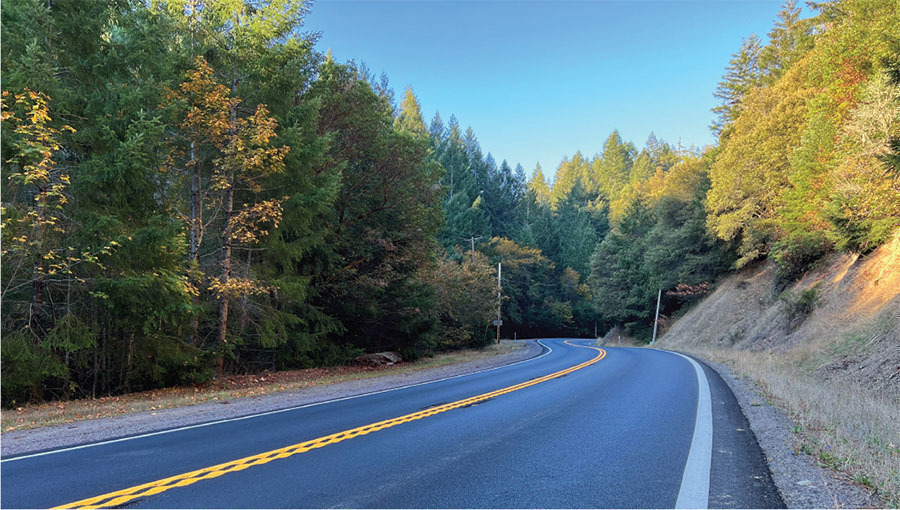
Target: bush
x,y
800,305
640,330
798,252
26,366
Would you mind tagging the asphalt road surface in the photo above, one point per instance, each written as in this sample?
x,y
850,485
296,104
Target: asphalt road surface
x,y
577,427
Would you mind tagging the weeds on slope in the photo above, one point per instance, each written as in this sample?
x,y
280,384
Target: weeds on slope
x,y
847,428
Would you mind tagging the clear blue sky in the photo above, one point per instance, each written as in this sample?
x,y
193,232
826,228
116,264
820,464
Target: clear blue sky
x,y
538,81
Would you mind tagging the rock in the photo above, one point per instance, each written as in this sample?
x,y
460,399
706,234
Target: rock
x,y
378,359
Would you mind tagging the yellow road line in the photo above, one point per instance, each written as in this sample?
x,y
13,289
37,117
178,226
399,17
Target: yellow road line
x,y
148,489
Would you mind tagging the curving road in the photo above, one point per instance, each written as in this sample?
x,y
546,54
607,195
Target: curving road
x,y
575,427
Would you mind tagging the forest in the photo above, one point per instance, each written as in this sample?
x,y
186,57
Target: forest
x,y
190,189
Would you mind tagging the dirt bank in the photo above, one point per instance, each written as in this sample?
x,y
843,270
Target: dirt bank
x,y
826,349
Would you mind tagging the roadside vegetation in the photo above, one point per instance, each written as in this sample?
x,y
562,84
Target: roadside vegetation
x,y
192,191
826,349
846,427
227,388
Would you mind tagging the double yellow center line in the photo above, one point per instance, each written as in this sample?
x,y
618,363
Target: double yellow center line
x,y
148,489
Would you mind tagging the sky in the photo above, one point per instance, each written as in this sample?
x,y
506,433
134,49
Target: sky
x,y
539,80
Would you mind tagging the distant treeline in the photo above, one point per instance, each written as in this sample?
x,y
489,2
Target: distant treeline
x,y
189,189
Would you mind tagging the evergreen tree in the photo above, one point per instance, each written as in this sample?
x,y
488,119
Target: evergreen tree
x,y
410,118
465,213
742,74
789,40
383,226
569,173
752,168
622,287
539,186
502,193
579,238
610,171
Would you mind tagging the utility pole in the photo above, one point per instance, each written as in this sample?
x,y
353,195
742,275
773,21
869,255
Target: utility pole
x,y
473,239
656,320
499,300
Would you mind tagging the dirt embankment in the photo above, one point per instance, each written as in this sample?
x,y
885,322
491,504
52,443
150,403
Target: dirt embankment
x,y
826,350
840,321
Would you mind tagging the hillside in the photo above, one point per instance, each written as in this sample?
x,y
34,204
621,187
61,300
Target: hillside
x,y
826,349
847,327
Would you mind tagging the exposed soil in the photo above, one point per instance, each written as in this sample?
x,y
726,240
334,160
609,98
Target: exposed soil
x,y
852,332
827,349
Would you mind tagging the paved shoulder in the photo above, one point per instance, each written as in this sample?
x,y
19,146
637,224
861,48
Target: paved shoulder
x,y
739,476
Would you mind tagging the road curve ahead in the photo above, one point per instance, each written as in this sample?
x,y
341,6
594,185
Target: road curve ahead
x,y
577,427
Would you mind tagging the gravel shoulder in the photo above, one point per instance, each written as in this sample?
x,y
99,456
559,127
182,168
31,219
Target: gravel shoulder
x,y
799,478
89,431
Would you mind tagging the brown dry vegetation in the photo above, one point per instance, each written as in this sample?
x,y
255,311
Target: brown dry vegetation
x,y
827,349
239,386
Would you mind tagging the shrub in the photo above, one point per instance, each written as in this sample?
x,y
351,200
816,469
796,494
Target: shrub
x,y
798,252
26,367
799,305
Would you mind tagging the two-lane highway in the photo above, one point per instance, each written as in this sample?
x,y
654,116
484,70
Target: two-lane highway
x,y
576,427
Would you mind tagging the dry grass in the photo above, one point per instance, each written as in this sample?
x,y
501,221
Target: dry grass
x,y
835,367
847,427
55,413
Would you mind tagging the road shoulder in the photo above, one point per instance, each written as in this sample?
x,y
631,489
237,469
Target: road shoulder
x,y
90,431
800,480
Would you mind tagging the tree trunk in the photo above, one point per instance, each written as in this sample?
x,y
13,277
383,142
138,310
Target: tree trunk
x,y
196,239
224,299
38,298
129,362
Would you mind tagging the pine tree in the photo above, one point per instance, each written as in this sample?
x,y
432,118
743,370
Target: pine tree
x,y
410,118
742,74
789,40
569,173
382,229
609,172
501,194
579,237
465,213
538,185
751,172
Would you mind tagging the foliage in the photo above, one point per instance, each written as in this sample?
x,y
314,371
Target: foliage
x,y
189,187
799,305
465,300
741,75
751,171
381,229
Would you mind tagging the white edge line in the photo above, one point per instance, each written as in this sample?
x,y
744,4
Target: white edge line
x,y
267,413
694,491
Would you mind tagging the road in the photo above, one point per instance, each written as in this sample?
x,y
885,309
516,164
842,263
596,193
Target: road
x,y
577,427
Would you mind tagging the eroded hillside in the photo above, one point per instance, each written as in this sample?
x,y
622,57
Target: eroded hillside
x,y
841,320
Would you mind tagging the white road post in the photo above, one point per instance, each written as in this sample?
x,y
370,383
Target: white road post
x,y
656,320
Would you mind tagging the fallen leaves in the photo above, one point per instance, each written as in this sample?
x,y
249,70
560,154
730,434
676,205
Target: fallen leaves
x,y
221,391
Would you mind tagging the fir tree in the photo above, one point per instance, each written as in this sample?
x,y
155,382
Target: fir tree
x,y
742,74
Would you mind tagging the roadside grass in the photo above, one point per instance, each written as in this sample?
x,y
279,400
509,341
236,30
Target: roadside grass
x,y
56,413
847,428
